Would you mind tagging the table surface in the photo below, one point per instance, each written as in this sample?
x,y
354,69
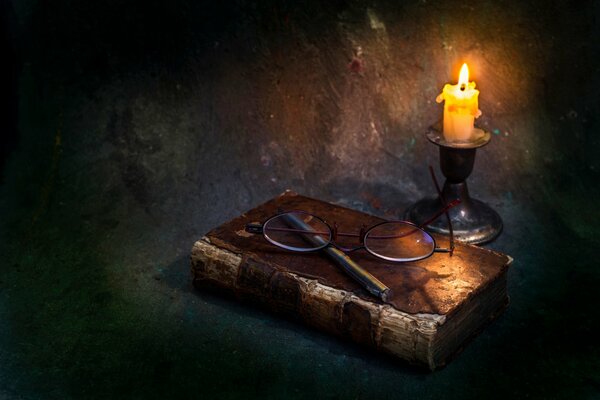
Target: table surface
x,y
138,127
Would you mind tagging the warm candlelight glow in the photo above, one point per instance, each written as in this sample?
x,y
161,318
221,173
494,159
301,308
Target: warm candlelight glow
x,y
460,108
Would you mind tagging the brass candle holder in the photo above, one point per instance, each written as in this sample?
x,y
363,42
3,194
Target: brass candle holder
x,y
473,221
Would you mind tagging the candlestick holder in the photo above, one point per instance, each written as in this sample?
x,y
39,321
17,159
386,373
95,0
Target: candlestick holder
x,y
473,221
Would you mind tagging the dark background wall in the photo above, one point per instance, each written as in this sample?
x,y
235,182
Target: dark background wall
x,y
131,128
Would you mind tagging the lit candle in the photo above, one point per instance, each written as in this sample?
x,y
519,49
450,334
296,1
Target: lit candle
x,y
460,108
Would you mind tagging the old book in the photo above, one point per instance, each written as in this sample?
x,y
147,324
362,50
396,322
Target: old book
x,y
438,304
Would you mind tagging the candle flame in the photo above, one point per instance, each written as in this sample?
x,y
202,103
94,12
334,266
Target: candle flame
x,y
463,78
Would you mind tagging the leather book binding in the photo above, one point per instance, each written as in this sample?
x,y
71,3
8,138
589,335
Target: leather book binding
x,y
438,303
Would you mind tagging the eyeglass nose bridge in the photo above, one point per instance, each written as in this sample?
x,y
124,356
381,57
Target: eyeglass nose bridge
x,y
335,234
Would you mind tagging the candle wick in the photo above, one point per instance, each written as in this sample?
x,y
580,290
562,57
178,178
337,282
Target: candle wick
x,y
462,87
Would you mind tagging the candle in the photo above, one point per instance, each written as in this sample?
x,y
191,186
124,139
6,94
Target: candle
x,y
460,108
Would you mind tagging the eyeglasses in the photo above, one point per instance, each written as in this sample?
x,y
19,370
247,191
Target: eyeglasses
x,y
396,241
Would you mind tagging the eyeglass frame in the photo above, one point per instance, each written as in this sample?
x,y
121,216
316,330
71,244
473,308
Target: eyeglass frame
x,y
362,235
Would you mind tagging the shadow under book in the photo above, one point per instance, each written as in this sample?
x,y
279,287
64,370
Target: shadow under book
x,y
438,304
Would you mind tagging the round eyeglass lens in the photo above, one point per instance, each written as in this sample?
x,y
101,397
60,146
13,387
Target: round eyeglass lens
x,y
297,231
399,241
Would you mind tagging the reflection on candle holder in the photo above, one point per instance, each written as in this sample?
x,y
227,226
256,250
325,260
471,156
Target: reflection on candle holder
x,y
473,221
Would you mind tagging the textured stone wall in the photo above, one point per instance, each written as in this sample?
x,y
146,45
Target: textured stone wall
x,y
327,99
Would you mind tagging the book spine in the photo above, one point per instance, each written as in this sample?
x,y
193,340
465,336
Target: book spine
x,y
332,310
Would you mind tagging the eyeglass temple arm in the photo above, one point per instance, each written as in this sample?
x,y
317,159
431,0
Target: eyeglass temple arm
x,y
442,211
446,208
257,228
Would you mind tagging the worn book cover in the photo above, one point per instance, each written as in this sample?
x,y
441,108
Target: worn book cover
x,y
438,303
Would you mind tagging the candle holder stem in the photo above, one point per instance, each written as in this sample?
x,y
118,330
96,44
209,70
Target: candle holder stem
x,y
473,221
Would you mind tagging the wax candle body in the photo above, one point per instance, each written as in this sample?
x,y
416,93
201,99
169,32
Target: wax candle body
x,y
460,108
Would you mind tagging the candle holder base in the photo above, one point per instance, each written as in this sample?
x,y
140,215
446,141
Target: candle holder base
x,y
473,221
